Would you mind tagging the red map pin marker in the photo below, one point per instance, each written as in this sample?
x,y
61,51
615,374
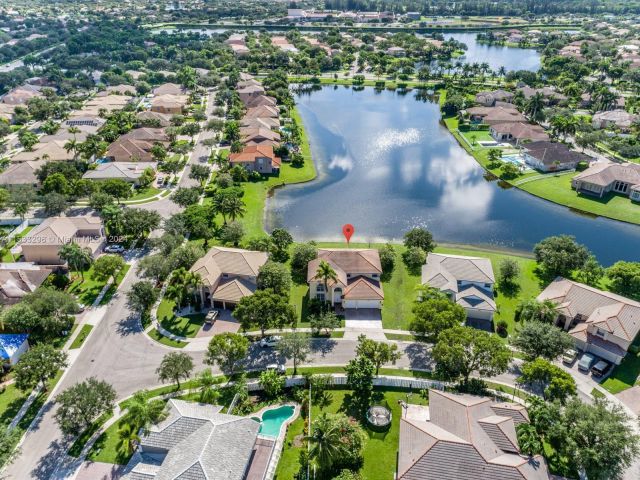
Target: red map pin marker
x,y
348,230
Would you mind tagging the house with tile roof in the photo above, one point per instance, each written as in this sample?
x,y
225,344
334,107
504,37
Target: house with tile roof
x,y
518,132
228,275
127,171
42,244
262,111
600,322
53,151
614,118
257,158
467,281
465,437
489,98
197,442
259,101
494,115
22,173
548,156
602,178
169,104
20,279
357,283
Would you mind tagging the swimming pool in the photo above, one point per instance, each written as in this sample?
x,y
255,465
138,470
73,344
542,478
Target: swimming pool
x,y
272,420
516,158
103,160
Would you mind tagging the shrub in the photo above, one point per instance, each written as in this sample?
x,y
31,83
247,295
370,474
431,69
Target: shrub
x,y
502,328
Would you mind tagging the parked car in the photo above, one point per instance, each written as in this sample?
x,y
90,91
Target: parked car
x,y
81,307
585,362
114,248
272,341
569,356
601,368
211,317
278,367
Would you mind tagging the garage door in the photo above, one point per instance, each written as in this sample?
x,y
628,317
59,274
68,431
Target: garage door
x,y
361,304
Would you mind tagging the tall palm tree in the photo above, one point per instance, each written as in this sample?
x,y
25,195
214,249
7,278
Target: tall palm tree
x,y
534,106
77,257
326,272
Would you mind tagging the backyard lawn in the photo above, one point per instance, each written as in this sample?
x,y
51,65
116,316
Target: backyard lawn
x,y
187,326
558,189
8,257
380,448
624,375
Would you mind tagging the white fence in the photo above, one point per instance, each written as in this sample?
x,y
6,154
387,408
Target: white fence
x,y
383,381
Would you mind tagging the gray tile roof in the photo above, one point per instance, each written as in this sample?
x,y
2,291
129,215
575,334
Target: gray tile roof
x,y
464,439
199,443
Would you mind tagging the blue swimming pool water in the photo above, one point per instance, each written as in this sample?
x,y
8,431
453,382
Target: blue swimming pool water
x,y
103,160
516,158
273,419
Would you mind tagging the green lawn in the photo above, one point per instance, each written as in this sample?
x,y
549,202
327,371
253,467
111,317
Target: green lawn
x,y
380,449
187,326
82,335
8,257
558,189
624,375
106,448
158,337
11,400
144,193
86,289
113,288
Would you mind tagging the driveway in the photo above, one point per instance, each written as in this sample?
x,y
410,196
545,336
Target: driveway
x,y
363,321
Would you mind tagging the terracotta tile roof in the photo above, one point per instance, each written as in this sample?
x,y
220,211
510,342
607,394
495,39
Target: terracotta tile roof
x,y
363,288
233,290
249,154
604,174
219,261
19,279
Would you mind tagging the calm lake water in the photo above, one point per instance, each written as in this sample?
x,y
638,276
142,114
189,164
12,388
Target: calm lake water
x,y
386,165
496,55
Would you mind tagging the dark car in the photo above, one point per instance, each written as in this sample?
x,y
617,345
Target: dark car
x,y
600,369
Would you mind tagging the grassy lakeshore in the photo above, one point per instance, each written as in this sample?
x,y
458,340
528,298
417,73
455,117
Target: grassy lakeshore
x,y
553,187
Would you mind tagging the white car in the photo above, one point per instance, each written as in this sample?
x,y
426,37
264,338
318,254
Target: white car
x,y
278,367
114,248
271,342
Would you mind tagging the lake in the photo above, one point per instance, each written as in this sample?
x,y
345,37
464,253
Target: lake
x,y
496,55
386,165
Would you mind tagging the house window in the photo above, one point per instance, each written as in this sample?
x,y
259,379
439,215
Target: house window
x,y
320,297
225,275
319,288
600,333
348,275
375,275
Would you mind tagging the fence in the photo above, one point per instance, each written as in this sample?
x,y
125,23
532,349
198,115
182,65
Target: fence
x,y
338,380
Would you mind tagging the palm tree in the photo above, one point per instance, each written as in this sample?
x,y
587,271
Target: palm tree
x,y
207,385
534,106
112,217
128,438
72,145
143,412
325,441
533,310
77,257
528,439
326,272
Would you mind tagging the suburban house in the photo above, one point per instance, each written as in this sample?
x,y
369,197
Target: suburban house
x,y
614,118
551,95
262,112
260,122
283,44
95,106
168,89
127,171
169,104
260,101
601,323
489,99
495,115
19,279
228,275
21,95
357,283
160,119
601,178
465,437
518,131
129,149
396,51
85,124
260,136
197,442
42,244
153,135
249,92
468,281
23,173
257,158
12,347
552,156
52,151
